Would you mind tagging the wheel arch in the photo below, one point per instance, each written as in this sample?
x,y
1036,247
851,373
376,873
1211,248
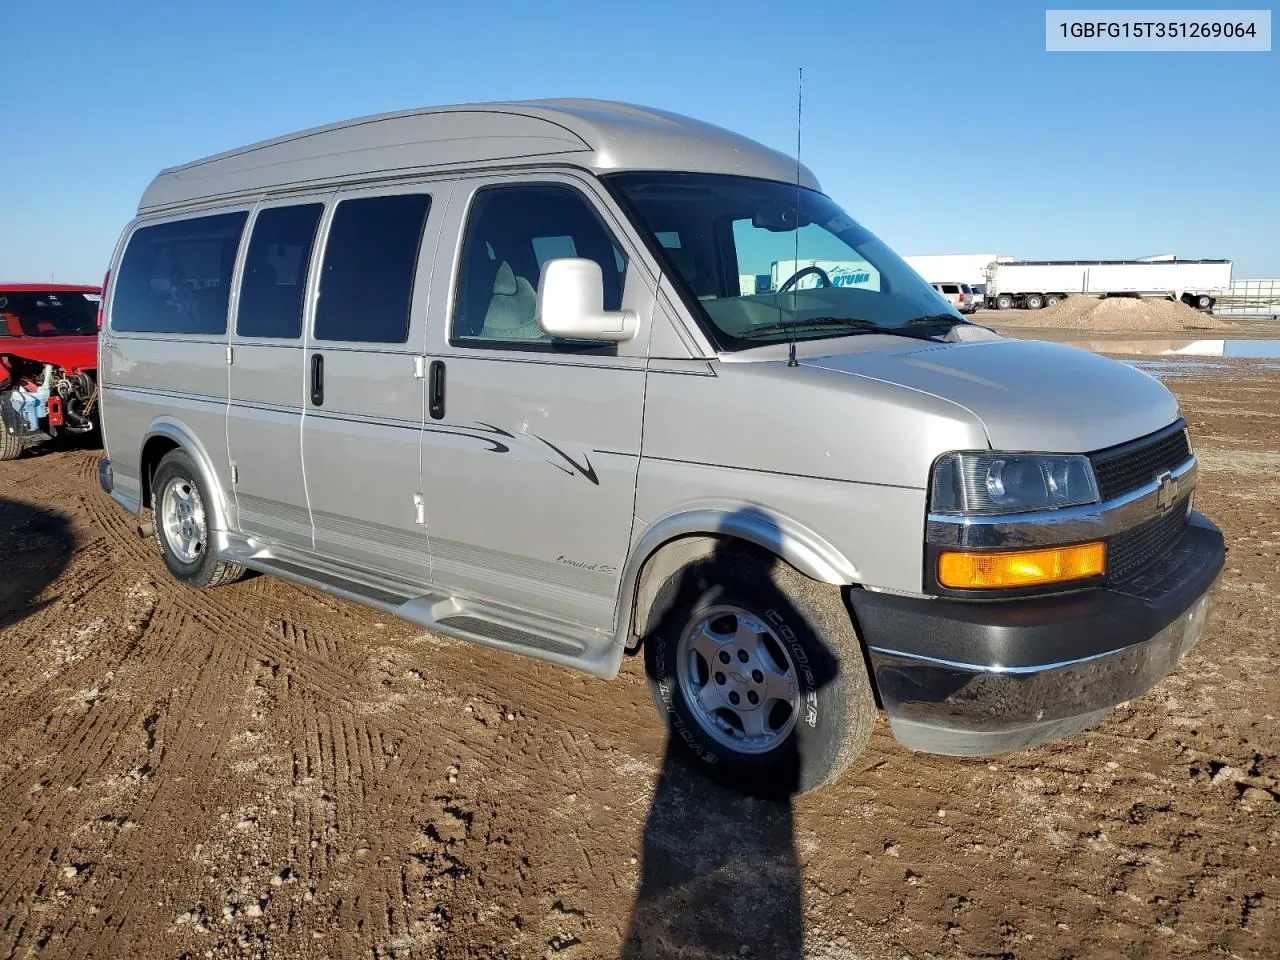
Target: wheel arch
x,y
688,535
168,434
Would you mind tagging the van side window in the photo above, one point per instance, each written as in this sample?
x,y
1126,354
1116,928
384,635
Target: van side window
x,y
511,233
366,287
176,277
275,271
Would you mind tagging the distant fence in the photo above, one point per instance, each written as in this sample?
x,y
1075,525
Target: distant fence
x,y
1250,298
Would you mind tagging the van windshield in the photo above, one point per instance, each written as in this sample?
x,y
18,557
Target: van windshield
x,y
755,277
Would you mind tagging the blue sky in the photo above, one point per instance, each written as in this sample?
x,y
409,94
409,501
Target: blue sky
x,y
942,128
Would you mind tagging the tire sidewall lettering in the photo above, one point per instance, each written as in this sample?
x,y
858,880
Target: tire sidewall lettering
x,y
804,670
678,725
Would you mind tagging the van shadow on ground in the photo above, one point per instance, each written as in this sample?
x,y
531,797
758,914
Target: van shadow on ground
x,y
719,871
35,547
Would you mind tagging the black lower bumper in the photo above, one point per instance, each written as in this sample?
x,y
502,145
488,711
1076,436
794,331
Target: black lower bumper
x,y
981,678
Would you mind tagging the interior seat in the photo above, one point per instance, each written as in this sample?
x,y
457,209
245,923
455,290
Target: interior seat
x,y
512,308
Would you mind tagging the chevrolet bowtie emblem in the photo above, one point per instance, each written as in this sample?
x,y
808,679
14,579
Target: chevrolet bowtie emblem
x,y
1167,492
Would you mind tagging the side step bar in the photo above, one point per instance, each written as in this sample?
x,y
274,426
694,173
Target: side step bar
x,y
454,617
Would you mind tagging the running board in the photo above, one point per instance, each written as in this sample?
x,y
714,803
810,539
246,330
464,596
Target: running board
x,y
454,617
348,589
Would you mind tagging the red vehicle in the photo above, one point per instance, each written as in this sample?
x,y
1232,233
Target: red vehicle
x,y
48,362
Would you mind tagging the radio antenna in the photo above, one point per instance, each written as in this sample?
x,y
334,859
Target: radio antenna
x,y
795,226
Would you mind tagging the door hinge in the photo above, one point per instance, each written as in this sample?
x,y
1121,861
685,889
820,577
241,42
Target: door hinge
x,y
235,473
419,368
230,355
419,509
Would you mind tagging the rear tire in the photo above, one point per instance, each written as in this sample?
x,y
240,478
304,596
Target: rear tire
x,y
1052,300
1204,302
758,673
1004,302
181,525
1033,301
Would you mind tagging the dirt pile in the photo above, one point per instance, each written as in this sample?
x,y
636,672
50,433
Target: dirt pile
x,y
1114,313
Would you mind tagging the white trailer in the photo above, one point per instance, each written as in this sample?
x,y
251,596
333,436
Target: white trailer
x,y
1032,284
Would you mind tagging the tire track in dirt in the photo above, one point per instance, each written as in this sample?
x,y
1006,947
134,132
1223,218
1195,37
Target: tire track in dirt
x,y
111,732
189,746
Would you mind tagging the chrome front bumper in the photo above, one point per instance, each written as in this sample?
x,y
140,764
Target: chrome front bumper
x,y
971,679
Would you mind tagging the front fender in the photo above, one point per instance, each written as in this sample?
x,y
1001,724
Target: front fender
x,y
800,546
797,544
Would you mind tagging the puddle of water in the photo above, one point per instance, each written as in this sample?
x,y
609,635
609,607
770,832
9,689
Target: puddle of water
x,y
1165,369
1264,349
1179,358
1255,349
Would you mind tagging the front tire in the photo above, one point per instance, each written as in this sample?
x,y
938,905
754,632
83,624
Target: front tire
x,y
1004,302
759,674
11,445
181,525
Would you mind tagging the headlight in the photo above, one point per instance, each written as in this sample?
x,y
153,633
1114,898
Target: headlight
x,y
986,483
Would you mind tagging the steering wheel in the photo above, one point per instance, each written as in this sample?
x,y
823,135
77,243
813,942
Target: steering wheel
x,y
822,274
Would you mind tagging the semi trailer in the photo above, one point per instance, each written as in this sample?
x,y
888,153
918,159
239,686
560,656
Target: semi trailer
x,y
1032,284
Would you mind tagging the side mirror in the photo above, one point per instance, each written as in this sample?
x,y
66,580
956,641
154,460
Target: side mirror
x,y
571,303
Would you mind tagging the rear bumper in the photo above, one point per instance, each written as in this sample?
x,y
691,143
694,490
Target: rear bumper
x,y
972,679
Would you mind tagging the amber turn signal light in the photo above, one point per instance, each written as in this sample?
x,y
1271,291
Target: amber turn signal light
x,y
1021,568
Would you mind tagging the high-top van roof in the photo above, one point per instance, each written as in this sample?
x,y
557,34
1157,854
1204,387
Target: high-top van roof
x,y
596,135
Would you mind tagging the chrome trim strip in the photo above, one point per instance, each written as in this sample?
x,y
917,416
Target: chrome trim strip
x,y
1094,521
992,667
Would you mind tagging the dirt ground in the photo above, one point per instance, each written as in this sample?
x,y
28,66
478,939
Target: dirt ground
x,y
265,771
1137,321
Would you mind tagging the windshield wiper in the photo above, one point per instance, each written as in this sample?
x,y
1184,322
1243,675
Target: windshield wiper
x,y
857,326
781,326
935,319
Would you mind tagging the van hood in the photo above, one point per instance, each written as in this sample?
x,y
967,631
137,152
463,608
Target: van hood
x,y
1028,394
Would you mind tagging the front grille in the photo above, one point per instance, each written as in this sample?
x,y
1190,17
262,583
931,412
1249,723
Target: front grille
x,y
1130,552
1129,466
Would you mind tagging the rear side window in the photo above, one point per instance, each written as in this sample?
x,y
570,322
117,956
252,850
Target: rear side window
x,y
950,288
369,262
275,271
176,277
511,234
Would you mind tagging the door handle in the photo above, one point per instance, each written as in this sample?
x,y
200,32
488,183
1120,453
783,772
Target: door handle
x,y
435,390
317,379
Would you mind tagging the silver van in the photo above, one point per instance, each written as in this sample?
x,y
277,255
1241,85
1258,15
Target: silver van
x,y
495,369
